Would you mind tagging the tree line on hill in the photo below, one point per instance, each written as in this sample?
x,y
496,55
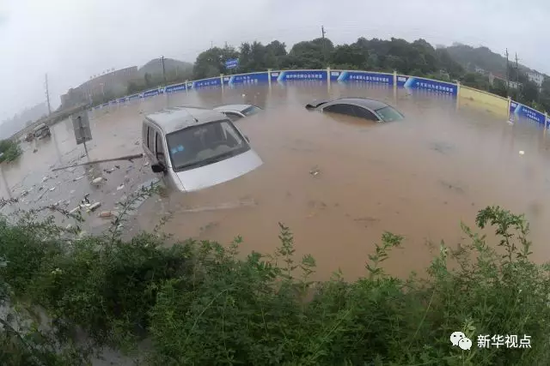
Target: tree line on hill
x,y
418,58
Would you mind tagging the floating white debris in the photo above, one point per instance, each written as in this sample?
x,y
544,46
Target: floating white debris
x,y
52,189
94,206
78,178
521,152
97,180
120,187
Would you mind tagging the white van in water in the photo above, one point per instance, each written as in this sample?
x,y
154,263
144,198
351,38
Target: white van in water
x,y
196,148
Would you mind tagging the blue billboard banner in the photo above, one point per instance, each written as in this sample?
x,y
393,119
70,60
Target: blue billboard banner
x,y
294,75
150,93
522,111
363,77
105,105
335,74
175,88
113,102
254,78
413,82
232,63
132,97
122,100
206,82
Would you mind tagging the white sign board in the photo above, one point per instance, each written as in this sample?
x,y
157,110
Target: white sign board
x,y
81,125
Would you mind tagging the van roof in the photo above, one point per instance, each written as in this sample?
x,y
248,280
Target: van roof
x,y
40,126
177,118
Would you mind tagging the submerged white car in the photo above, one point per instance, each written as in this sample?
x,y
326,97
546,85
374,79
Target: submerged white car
x,y
195,148
237,111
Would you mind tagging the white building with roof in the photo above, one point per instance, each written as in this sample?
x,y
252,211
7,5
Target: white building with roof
x,y
536,77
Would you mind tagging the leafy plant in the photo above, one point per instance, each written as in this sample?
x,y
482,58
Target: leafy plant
x,y
203,303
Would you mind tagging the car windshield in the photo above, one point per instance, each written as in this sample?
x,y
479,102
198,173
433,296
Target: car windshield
x,y
204,144
251,110
389,114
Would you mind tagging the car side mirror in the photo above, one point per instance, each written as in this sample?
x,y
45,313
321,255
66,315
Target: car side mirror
x,y
158,168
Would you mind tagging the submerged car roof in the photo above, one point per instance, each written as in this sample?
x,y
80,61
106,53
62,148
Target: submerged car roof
x,y
176,118
365,102
233,107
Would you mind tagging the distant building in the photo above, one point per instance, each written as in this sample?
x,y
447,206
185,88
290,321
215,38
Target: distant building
x,y
511,84
536,77
100,87
514,84
479,70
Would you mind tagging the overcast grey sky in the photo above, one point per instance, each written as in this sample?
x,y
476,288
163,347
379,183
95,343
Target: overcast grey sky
x,y
74,39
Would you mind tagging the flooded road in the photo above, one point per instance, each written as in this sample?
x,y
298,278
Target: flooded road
x,y
337,182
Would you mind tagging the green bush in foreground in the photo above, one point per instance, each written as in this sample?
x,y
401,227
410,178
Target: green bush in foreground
x,y
204,304
9,150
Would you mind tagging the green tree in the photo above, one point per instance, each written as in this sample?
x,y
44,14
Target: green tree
x,y
275,54
529,92
310,54
499,88
253,57
9,150
544,99
148,79
211,63
448,64
352,55
476,80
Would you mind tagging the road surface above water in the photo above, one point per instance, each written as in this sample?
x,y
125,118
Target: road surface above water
x,y
337,182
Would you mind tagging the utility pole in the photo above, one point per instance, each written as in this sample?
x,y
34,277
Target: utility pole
x,y
163,70
507,74
517,77
47,95
324,47
211,44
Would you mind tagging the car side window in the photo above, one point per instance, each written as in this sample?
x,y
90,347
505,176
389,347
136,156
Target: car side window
x,y
151,139
159,149
341,109
233,116
231,137
364,113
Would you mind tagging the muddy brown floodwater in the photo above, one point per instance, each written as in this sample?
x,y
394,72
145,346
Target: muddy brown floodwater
x,y
337,182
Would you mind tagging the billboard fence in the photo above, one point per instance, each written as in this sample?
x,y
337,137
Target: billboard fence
x,y
492,102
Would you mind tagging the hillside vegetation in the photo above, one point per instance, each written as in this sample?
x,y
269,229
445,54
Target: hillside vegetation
x,y
482,57
418,58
